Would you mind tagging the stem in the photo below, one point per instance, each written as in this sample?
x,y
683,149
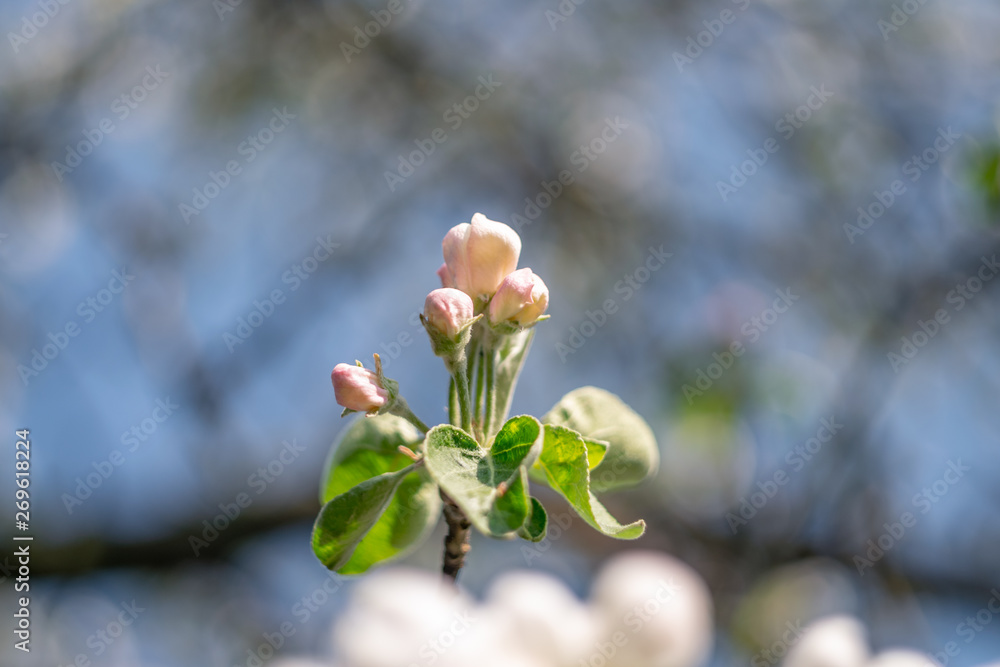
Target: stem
x,y
490,360
460,379
456,542
472,353
478,417
453,406
401,409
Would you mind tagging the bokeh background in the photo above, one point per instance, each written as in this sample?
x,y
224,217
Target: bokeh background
x,y
121,118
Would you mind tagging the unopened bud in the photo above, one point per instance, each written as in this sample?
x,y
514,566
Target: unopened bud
x,y
358,389
448,311
479,254
521,299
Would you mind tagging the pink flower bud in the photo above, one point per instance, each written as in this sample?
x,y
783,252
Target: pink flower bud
x,y
522,297
445,275
358,388
448,310
480,254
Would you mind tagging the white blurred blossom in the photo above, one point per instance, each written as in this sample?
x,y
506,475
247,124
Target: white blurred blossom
x,y
655,612
902,659
540,613
839,641
399,617
835,641
646,610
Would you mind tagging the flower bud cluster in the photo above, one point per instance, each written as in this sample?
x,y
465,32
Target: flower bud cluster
x,y
479,281
480,259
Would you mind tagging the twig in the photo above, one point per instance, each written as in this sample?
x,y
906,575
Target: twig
x,y
456,542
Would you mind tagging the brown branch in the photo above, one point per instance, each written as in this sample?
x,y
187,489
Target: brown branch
x,y
456,542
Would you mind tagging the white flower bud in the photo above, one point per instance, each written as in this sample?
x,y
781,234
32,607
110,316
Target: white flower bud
x,y
521,298
448,311
358,388
479,254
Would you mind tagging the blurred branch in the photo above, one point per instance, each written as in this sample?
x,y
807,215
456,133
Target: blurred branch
x,y
84,556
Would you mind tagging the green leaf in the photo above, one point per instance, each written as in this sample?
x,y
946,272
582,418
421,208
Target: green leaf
x,y
596,449
983,172
564,462
489,485
407,521
369,447
510,359
537,523
346,519
366,448
599,415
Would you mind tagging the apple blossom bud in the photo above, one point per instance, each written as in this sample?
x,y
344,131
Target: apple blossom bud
x,y
358,388
479,254
448,311
522,298
445,275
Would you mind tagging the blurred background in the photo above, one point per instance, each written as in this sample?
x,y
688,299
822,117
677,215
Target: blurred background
x,y
205,206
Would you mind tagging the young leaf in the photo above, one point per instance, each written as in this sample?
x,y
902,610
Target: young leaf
x,y
596,449
510,358
346,519
632,454
368,448
489,485
407,521
564,462
537,523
